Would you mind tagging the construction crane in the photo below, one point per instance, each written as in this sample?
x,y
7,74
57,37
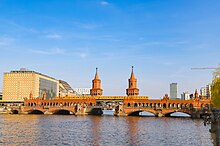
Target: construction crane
x,y
195,68
216,73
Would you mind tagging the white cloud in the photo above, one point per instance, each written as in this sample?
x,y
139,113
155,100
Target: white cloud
x,y
104,3
89,26
59,51
5,41
14,26
56,51
83,55
54,36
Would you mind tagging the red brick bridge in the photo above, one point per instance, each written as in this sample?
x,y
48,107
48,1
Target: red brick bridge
x,y
125,106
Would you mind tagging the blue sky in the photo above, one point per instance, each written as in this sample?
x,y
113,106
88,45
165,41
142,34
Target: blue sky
x,y
68,39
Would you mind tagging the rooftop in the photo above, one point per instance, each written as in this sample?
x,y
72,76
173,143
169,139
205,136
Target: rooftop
x,y
25,70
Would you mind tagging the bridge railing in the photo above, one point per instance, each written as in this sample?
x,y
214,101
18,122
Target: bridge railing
x,y
157,108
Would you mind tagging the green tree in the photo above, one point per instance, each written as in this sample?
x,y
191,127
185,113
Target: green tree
x,y
215,90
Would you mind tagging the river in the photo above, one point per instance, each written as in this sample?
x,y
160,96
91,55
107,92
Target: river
x,y
47,130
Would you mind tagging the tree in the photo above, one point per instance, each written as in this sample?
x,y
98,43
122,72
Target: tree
x,y
215,91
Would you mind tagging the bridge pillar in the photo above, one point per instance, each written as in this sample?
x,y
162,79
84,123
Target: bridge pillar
x,y
196,114
80,109
48,113
119,111
159,113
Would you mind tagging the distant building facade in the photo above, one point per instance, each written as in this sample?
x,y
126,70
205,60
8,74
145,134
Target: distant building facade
x,y
82,91
0,95
185,96
65,89
208,91
205,92
19,84
173,91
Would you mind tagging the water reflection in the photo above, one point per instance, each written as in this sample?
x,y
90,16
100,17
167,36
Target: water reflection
x,y
132,129
95,128
102,130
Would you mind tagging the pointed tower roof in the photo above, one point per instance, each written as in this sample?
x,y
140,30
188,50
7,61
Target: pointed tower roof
x,y
96,74
196,94
132,73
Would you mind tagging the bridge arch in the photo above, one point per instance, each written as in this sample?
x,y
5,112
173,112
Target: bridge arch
x,y
177,114
14,111
62,112
136,113
180,114
35,112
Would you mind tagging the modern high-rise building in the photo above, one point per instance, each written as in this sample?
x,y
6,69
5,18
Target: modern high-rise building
x,y
19,84
173,90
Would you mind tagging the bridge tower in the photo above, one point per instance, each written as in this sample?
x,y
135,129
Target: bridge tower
x,y
196,94
132,89
96,85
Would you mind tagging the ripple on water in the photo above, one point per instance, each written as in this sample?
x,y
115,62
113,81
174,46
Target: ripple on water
x,y
102,130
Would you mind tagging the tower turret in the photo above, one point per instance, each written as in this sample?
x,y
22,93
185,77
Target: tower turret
x,y
132,85
196,94
96,85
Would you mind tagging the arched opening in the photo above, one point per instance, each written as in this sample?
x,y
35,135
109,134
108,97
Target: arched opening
x,y
146,114
146,104
178,114
207,106
151,105
178,105
139,104
164,105
158,105
35,112
90,104
135,104
14,112
201,105
142,104
61,112
129,104
182,106
191,106
169,105
141,113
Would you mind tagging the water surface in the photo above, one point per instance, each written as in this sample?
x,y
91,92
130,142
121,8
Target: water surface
x,y
102,130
